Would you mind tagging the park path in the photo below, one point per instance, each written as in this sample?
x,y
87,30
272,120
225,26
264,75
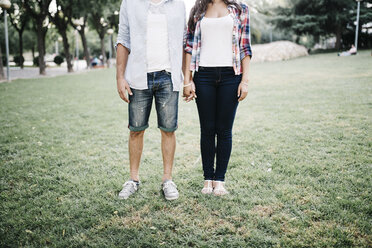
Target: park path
x,y
33,72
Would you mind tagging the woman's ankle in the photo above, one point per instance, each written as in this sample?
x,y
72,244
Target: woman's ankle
x,y
208,187
217,182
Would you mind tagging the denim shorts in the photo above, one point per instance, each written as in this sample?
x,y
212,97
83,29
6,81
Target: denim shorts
x,y
160,87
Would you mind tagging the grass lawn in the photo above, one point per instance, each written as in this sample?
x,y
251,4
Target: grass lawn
x,y
300,173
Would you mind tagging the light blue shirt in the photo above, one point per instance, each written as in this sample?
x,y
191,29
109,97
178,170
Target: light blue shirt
x,y
133,33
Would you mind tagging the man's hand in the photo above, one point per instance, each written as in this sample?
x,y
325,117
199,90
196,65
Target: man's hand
x,y
242,91
189,91
123,87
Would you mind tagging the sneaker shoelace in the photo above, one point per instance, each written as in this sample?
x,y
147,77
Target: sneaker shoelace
x,y
169,186
129,187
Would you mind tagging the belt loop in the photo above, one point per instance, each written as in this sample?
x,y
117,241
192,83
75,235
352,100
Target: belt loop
x,y
218,74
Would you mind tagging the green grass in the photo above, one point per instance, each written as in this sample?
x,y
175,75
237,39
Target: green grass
x,y
63,159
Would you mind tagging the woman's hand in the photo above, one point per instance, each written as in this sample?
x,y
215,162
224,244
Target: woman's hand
x,y
242,91
189,91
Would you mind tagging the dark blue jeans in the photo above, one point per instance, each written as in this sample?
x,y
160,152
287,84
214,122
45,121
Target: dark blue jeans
x,y
217,101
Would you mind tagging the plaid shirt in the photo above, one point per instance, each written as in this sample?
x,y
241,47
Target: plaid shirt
x,y
241,40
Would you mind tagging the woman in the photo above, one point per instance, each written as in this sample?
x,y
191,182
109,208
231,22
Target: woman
x,y
218,51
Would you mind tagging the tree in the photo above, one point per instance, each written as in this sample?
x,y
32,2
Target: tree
x,y
19,18
261,14
114,25
317,18
39,11
61,19
99,19
81,10
365,34
100,25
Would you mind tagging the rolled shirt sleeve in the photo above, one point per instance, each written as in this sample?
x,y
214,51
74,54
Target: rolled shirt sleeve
x,y
188,41
245,39
124,34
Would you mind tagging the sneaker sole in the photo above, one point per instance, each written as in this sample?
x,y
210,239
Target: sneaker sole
x,y
122,198
171,198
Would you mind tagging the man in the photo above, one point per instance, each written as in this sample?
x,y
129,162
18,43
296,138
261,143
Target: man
x,y
149,66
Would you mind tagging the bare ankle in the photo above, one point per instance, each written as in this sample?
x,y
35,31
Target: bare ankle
x,y
165,178
134,177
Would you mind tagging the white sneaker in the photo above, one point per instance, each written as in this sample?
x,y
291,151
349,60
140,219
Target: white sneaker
x,y
129,188
170,190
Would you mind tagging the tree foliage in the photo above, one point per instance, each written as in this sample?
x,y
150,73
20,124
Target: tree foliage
x,y
321,18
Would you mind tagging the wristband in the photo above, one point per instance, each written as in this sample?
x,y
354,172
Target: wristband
x,y
186,85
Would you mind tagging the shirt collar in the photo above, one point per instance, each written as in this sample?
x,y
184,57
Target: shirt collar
x,y
164,0
232,10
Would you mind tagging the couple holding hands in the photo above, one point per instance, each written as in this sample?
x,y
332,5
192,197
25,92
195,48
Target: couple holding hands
x,y
209,60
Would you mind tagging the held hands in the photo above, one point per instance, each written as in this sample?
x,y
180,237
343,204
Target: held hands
x,y
242,91
189,91
123,87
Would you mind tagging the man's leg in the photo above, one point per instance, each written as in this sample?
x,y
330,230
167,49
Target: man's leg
x,y
168,148
167,110
135,153
139,109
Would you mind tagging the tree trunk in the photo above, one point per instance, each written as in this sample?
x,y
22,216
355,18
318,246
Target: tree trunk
x,y
85,45
66,47
112,46
2,75
41,46
33,52
44,35
103,50
20,33
338,37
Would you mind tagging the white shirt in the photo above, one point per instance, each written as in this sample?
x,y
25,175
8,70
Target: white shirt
x,y
216,41
353,50
133,33
157,39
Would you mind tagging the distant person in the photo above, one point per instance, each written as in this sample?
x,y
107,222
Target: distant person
x,y
219,51
352,51
95,62
149,66
101,60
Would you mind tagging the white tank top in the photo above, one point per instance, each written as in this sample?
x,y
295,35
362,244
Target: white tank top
x,y
157,39
216,41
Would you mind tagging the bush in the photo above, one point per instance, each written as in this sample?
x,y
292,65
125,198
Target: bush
x,y
19,60
58,60
4,59
36,61
320,51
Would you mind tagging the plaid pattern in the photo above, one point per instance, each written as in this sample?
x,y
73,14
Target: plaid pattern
x,y
241,39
